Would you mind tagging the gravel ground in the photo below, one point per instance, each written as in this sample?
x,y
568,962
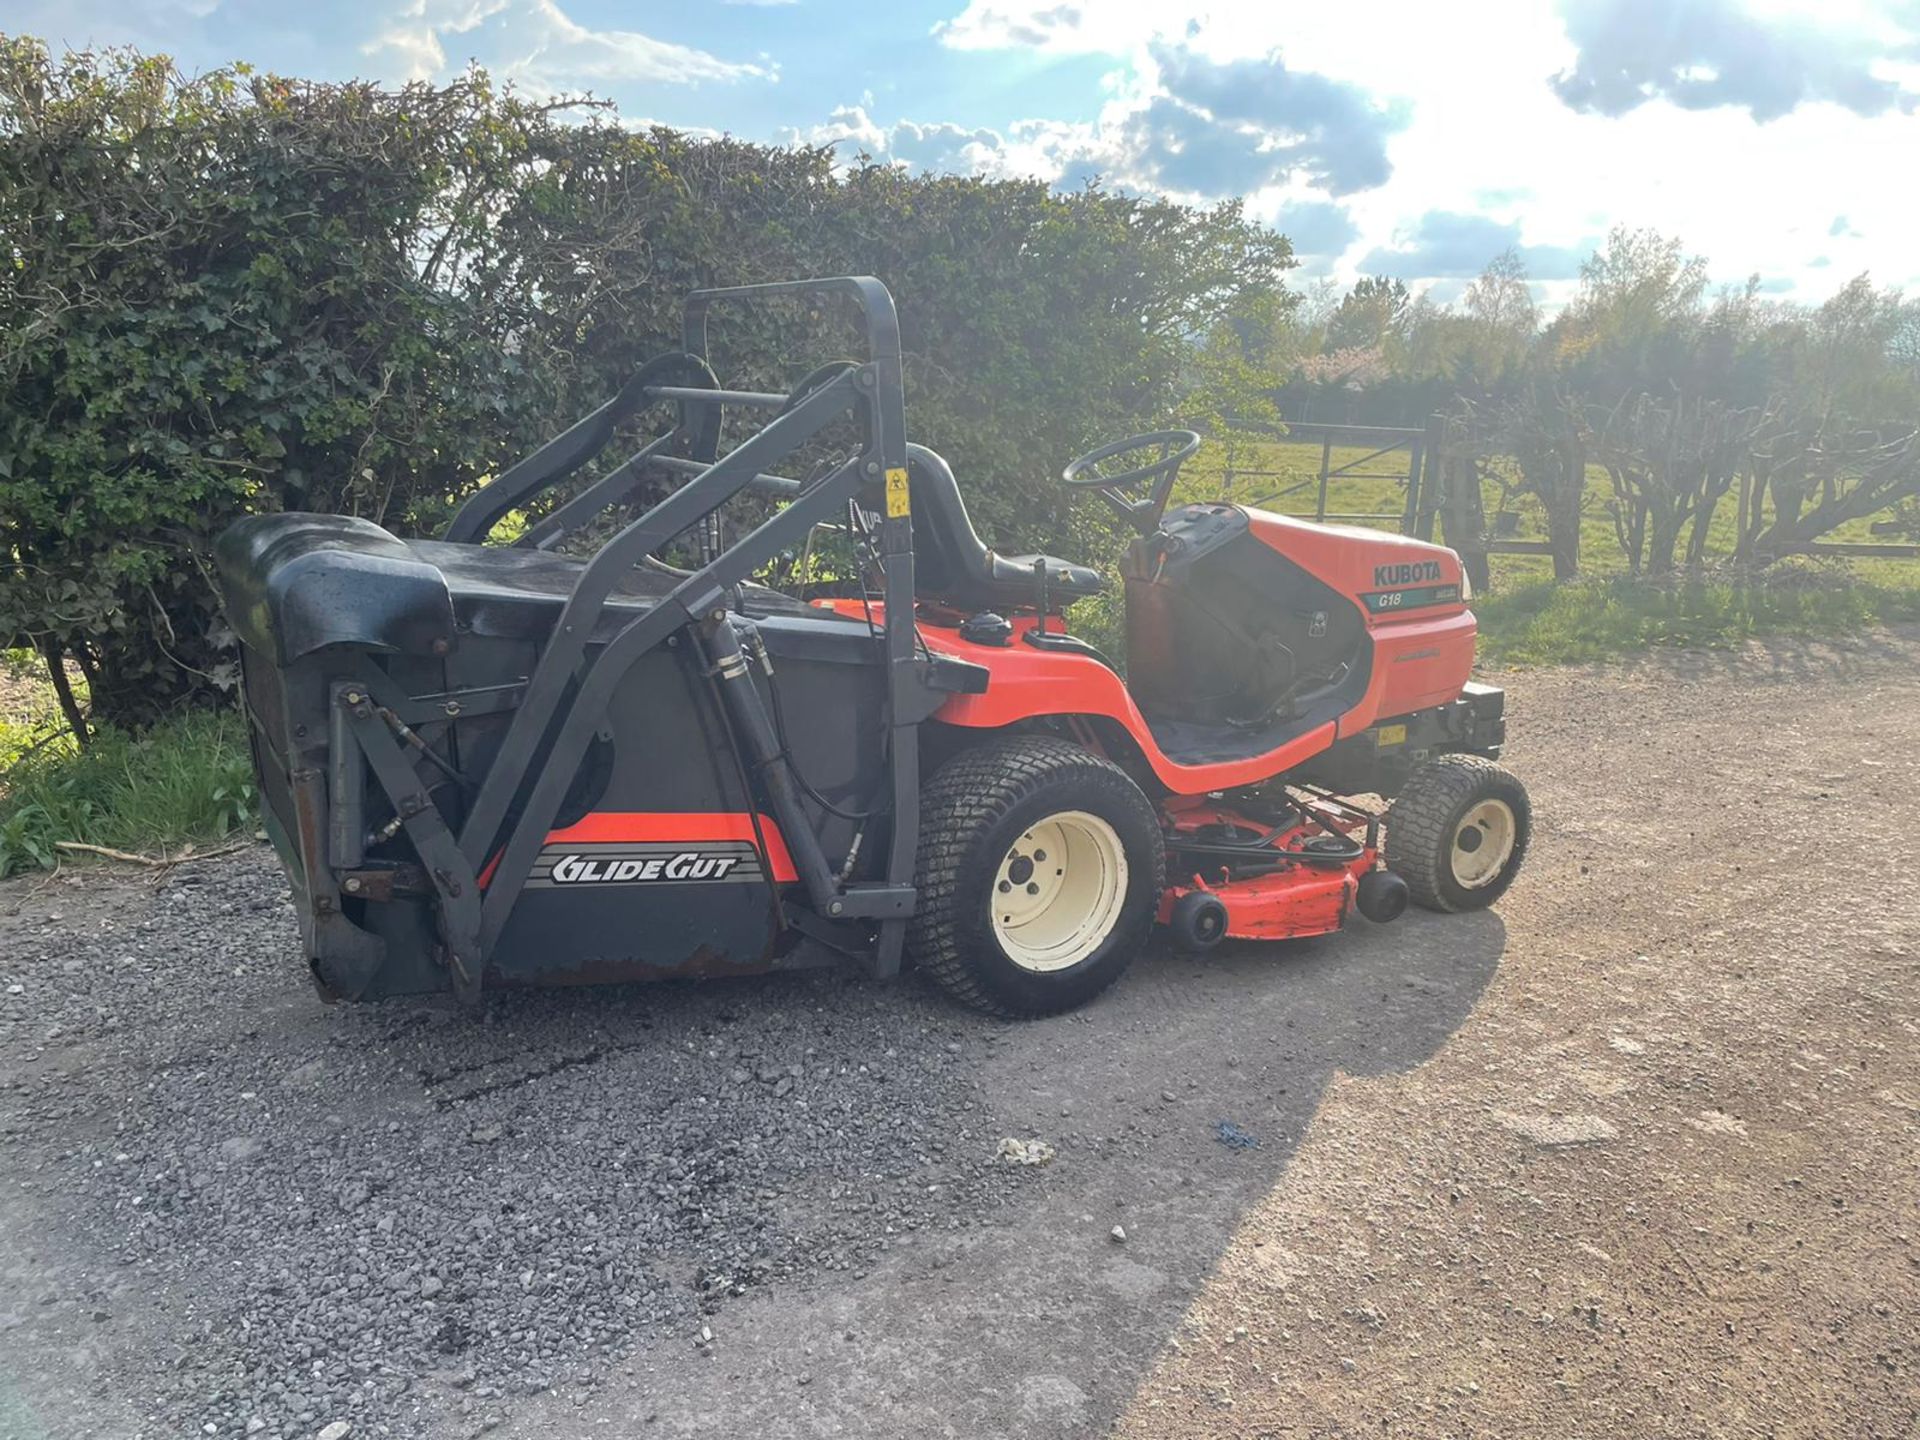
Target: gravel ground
x,y
1665,1181
272,1216
1633,1154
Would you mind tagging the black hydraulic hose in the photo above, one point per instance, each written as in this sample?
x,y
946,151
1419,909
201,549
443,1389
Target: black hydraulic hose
x,y
876,807
719,644
752,803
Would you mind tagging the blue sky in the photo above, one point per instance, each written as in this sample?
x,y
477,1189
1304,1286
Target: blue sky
x,y
1776,137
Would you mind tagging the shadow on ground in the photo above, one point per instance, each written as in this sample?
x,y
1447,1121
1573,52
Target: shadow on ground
x,y
1042,1323
231,1203
1786,659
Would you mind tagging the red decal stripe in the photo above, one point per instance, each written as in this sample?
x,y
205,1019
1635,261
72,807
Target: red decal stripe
x,y
689,827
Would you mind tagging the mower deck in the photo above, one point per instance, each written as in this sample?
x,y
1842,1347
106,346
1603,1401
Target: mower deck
x,y
1279,879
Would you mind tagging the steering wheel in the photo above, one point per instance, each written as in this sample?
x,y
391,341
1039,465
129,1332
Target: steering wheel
x,y
1174,447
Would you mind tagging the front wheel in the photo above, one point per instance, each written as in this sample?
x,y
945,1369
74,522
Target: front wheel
x,y
1039,876
1458,832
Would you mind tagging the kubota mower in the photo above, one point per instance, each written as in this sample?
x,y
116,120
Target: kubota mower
x,y
496,764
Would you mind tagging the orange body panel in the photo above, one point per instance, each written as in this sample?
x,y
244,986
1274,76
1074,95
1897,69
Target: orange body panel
x,y
1416,663
1029,682
1349,557
1286,905
1419,659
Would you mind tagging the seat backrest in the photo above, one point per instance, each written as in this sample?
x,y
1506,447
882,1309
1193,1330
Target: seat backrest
x,y
949,557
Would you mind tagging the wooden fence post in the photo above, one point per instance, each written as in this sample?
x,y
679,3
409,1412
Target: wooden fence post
x,y
1463,521
1326,465
1424,492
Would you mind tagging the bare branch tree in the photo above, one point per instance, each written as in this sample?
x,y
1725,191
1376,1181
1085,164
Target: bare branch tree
x,y
1670,463
1853,474
1544,431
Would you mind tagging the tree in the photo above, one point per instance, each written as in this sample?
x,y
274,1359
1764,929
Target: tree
x,y
1855,358
1544,432
1503,317
1671,462
1632,327
1639,280
1372,311
1233,372
1846,474
238,292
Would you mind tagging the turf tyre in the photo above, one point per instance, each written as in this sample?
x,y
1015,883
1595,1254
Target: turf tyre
x,y
973,813
1430,814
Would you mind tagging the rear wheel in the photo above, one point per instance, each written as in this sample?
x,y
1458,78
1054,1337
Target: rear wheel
x,y
1039,876
1458,832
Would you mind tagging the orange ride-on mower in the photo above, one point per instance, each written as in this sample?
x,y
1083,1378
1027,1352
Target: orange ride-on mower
x,y
496,764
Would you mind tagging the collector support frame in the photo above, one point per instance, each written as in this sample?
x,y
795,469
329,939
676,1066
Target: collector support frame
x,y
566,697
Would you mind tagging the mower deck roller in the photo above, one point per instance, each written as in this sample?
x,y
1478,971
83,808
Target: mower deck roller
x,y
488,764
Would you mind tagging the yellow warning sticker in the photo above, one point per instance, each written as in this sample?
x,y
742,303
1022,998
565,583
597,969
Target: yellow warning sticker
x,y
1392,735
897,505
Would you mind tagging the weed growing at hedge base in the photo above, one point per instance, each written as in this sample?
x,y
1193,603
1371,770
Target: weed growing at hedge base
x,y
188,780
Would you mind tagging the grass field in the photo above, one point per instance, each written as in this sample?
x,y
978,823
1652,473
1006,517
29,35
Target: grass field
x,y
27,707
1296,468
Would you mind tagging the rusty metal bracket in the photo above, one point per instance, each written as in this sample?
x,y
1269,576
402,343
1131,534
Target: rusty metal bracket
x,y
453,879
386,882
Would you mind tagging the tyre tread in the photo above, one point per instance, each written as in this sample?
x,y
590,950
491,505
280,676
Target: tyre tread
x,y
1417,839
965,796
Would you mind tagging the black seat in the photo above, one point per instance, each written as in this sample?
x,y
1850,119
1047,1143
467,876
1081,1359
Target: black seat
x,y
951,563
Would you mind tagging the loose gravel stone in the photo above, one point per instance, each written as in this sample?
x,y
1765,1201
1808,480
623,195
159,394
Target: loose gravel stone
x,y
343,1206
1555,1132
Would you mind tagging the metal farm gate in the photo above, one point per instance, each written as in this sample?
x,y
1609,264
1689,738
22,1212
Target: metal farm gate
x,y
1398,454
1441,484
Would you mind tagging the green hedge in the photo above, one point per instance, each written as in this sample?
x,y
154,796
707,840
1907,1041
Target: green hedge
x,y
239,293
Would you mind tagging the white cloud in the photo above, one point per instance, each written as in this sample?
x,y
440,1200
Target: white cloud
x,y
1051,26
1704,54
415,34
567,50
539,45
849,125
939,146
1486,132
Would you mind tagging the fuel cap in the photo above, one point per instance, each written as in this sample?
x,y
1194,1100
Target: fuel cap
x,y
987,628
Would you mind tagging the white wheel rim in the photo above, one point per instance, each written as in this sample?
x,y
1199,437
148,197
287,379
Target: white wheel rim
x,y
1483,843
1057,893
